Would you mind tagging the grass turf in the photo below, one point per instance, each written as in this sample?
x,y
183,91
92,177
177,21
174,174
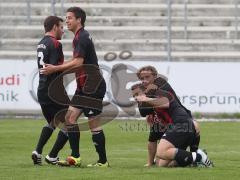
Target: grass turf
x,y
126,149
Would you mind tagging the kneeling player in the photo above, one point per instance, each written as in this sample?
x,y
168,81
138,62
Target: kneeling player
x,y
180,132
157,129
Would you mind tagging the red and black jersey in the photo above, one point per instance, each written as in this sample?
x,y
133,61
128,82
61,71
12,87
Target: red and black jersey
x,y
175,113
83,47
49,51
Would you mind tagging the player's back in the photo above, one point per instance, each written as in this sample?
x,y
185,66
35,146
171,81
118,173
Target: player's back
x,y
176,111
49,51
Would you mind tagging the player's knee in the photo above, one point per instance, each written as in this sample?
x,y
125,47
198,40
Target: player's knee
x,y
64,132
94,129
50,126
71,118
94,124
67,116
163,163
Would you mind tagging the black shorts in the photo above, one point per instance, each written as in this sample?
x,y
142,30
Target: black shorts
x,y
156,132
90,104
51,110
181,136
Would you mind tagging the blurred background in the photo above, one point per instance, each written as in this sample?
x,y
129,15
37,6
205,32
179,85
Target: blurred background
x,y
194,43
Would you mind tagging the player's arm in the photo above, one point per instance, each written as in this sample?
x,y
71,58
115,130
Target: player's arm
x,y
160,102
136,91
69,65
78,58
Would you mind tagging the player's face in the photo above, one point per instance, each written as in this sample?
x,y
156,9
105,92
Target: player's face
x,y
137,92
72,22
59,31
147,78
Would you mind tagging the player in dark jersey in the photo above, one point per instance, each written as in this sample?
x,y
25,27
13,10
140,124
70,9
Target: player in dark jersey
x,y
90,91
49,50
157,126
163,103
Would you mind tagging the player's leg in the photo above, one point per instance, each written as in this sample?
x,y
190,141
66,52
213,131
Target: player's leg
x,y
59,116
61,140
167,151
196,141
154,135
73,130
172,147
45,134
164,163
93,112
152,146
73,136
98,139
172,163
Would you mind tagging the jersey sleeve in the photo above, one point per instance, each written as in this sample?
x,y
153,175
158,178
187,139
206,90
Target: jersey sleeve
x,y
145,109
81,46
165,91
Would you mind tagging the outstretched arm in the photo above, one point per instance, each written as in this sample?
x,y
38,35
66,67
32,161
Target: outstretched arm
x,y
74,63
161,102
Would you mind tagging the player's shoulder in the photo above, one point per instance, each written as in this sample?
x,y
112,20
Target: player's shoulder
x,y
84,35
84,32
49,42
160,81
43,44
55,42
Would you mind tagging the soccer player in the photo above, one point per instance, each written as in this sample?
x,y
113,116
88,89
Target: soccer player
x,y
89,86
157,128
180,133
49,50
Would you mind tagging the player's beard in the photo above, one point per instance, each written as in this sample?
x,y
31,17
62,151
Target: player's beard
x,y
59,38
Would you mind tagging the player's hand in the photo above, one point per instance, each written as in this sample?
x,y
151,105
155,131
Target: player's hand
x,y
141,98
150,87
48,69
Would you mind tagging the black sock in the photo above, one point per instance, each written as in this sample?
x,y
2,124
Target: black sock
x,y
59,143
195,145
44,137
98,139
183,158
74,137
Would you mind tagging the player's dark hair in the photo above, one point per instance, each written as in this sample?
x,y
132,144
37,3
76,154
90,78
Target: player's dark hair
x,y
78,13
50,21
147,68
135,86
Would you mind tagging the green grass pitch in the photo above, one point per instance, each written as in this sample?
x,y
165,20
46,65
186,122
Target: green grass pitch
x,y
126,149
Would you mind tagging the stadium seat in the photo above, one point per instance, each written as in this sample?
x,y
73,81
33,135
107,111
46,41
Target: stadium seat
x,y
139,26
